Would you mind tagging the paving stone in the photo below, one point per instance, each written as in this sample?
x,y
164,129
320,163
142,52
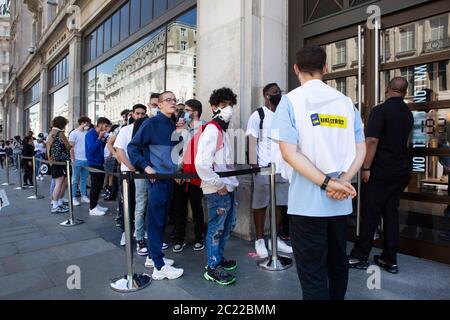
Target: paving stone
x,y
27,261
81,249
54,293
7,250
27,236
41,243
31,280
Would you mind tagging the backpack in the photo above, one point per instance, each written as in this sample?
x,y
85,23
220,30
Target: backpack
x,y
191,151
261,121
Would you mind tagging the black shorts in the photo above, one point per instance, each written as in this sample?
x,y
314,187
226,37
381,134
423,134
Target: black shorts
x,y
58,171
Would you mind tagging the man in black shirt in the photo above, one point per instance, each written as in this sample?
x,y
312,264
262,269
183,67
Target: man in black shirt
x,y
385,173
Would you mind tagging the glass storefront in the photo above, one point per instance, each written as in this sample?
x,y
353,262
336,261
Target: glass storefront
x,y
32,108
420,52
33,118
60,102
59,89
163,60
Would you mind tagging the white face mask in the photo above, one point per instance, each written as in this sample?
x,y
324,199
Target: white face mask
x,y
154,111
226,114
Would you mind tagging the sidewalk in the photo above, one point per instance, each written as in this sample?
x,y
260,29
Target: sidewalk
x,y
35,253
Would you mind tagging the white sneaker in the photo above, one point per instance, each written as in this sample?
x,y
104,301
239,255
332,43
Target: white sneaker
x,y
282,246
149,262
85,199
96,212
168,272
99,207
122,240
260,247
75,202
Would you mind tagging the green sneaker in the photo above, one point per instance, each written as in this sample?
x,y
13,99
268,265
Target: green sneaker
x,y
228,265
219,276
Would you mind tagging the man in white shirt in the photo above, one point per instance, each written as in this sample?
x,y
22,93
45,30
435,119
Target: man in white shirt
x,y
214,155
321,137
262,152
120,145
79,161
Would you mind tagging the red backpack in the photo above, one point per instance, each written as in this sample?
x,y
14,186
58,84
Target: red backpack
x,y
191,151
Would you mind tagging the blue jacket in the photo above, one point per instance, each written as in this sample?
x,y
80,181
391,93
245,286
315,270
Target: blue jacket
x,y
94,148
152,145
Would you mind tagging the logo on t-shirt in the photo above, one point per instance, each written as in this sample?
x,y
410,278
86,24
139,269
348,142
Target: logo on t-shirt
x,y
327,120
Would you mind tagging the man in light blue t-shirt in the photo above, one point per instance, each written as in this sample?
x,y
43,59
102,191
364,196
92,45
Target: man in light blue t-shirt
x,y
321,137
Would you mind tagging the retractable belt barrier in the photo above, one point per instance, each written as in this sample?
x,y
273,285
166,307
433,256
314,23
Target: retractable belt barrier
x,y
136,281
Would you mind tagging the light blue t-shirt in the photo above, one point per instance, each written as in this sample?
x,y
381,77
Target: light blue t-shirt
x,y
305,197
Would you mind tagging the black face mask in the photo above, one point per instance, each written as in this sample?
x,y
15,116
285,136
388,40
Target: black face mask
x,y
131,120
275,99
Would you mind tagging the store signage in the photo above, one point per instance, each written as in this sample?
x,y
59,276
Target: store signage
x,y
57,45
420,96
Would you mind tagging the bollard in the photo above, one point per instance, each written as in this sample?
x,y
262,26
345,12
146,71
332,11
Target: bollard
x,y
35,196
19,169
7,183
131,281
72,221
274,262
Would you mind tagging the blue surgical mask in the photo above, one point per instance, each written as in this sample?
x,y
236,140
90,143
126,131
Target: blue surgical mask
x,y
187,118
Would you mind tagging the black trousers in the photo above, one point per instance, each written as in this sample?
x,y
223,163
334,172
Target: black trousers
x,y
319,246
380,199
97,180
28,175
182,195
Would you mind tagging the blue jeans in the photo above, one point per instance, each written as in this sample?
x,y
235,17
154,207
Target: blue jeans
x,y
139,211
221,221
39,157
82,174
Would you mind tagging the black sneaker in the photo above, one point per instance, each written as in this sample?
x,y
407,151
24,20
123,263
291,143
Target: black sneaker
x,y
141,248
178,247
358,263
219,276
228,265
389,267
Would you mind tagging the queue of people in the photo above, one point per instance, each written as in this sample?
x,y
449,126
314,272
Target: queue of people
x,y
314,136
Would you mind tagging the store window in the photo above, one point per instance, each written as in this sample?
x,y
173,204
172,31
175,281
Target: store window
x,y
59,89
32,108
127,20
342,55
131,76
420,38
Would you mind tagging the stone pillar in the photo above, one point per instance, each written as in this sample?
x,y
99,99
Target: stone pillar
x,y
19,128
252,52
75,80
45,112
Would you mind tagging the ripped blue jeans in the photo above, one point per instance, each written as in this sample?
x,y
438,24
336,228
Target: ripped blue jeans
x,y
221,221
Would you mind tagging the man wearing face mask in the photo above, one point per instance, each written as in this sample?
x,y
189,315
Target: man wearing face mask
x,y
154,104
214,155
262,152
79,160
185,191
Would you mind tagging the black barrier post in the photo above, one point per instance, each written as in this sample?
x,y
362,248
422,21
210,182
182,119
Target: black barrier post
x,y
7,183
19,168
72,221
35,196
274,262
131,281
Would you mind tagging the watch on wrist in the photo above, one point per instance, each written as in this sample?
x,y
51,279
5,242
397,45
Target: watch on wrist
x,y
325,183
